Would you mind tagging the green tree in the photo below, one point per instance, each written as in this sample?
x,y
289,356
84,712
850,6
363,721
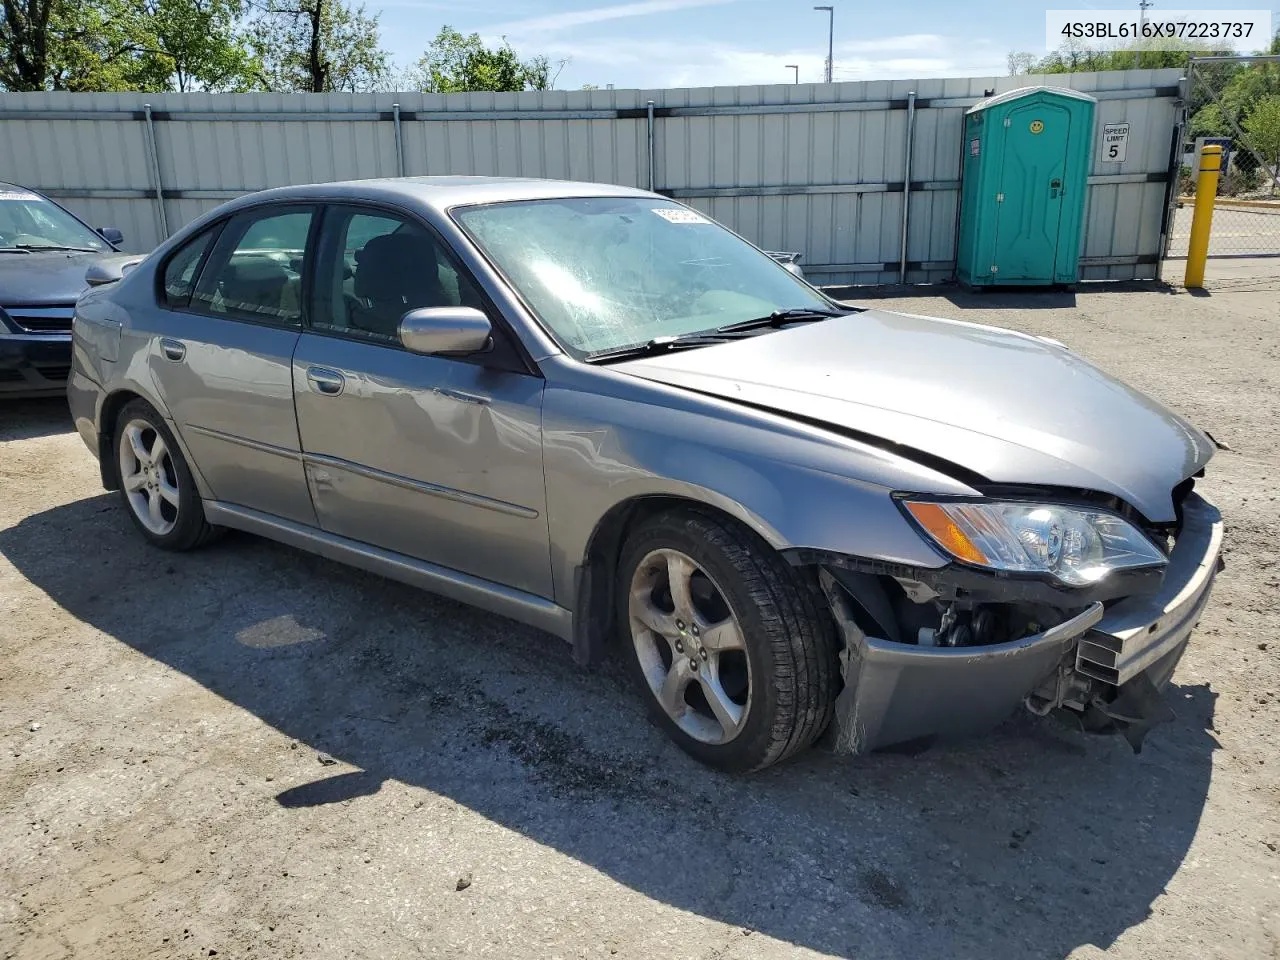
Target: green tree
x,y
455,63
24,43
318,46
1263,129
1072,57
193,44
92,48
113,45
1020,61
1238,88
69,45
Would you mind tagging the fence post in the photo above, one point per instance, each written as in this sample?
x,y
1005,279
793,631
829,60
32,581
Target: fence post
x,y
1175,170
649,127
153,154
1206,192
906,185
395,119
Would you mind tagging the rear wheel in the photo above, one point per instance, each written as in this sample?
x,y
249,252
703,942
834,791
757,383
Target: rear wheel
x,y
731,650
155,481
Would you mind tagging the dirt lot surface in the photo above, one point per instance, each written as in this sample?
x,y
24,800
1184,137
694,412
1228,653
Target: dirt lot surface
x,y
249,752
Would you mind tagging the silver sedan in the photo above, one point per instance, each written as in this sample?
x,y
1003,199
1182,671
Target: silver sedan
x,y
594,410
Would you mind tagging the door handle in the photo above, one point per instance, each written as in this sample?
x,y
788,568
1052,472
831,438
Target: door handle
x,y
173,350
325,381
1056,189
462,396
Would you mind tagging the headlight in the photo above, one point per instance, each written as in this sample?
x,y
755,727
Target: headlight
x,y
1077,545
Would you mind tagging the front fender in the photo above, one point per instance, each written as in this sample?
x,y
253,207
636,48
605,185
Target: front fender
x,y
610,438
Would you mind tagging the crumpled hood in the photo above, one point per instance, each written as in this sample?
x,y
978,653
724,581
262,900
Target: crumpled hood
x,y
49,278
1007,406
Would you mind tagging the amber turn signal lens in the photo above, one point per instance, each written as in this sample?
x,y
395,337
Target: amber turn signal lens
x,y
942,528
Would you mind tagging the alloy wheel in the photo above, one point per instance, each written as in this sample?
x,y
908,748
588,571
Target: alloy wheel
x,y
690,646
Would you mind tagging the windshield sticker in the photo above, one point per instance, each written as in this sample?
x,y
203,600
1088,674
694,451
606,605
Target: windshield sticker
x,y
680,215
16,195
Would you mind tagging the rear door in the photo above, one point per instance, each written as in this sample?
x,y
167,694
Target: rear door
x,y
438,458
221,351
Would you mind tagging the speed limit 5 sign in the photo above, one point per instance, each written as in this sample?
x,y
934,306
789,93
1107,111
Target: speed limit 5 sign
x,y
1114,144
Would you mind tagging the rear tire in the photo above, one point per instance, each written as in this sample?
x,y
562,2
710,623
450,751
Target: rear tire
x,y
156,485
732,651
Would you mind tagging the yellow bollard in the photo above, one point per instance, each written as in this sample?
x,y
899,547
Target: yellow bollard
x,y
1202,220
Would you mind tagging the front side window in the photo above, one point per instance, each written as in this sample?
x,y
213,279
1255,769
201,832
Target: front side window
x,y
609,272
255,269
375,268
30,222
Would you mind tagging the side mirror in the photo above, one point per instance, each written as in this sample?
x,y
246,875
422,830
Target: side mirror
x,y
791,261
433,330
112,235
109,271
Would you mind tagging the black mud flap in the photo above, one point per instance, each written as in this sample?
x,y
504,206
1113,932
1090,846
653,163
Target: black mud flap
x,y
1138,707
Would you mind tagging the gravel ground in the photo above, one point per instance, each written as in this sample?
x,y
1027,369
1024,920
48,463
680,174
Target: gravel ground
x,y
250,752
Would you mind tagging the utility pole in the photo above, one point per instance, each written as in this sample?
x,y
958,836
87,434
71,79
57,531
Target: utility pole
x,y
831,33
796,68
1143,6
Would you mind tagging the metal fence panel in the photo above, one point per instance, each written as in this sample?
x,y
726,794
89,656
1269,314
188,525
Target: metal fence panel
x,y
816,168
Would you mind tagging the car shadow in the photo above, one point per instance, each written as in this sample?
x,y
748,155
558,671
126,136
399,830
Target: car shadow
x,y
1030,842
29,418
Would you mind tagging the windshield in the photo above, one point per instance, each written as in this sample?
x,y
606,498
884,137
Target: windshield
x,y
609,272
28,220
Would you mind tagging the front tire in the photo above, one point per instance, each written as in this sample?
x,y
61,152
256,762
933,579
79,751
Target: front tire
x,y
156,485
730,648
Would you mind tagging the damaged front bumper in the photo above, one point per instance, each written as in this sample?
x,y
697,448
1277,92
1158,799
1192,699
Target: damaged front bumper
x,y
1101,664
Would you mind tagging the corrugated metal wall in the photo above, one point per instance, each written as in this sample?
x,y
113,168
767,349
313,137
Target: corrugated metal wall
x,y
813,167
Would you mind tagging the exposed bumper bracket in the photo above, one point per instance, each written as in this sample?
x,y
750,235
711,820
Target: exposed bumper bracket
x,y
1139,705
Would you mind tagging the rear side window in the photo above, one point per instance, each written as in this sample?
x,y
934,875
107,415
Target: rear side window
x,y
255,269
182,269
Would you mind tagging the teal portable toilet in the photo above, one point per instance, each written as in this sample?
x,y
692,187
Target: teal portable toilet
x,y
1026,165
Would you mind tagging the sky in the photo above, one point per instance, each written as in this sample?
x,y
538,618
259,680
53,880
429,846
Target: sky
x,y
685,43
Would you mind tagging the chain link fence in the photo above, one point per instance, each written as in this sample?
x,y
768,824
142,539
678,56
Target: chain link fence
x,y
1230,95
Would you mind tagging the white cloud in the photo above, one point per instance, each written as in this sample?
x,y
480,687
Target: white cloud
x,y
669,63
910,41
577,18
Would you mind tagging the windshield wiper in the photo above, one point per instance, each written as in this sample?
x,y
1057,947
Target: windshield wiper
x,y
656,346
13,250
51,246
782,317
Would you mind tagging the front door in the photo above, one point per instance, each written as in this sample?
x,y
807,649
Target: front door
x,y
221,350
1032,184
433,457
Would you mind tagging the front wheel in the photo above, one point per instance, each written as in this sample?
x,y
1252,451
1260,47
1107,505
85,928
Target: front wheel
x,y
731,650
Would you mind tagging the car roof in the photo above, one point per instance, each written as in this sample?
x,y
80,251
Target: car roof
x,y
442,192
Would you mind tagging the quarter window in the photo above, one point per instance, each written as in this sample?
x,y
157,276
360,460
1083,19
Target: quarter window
x,y
181,270
255,270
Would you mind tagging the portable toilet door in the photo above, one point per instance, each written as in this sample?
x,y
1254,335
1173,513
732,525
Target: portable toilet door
x,y
1026,166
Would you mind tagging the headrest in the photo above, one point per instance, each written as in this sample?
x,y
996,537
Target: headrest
x,y
400,267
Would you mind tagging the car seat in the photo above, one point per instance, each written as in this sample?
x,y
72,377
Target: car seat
x,y
260,285
394,273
